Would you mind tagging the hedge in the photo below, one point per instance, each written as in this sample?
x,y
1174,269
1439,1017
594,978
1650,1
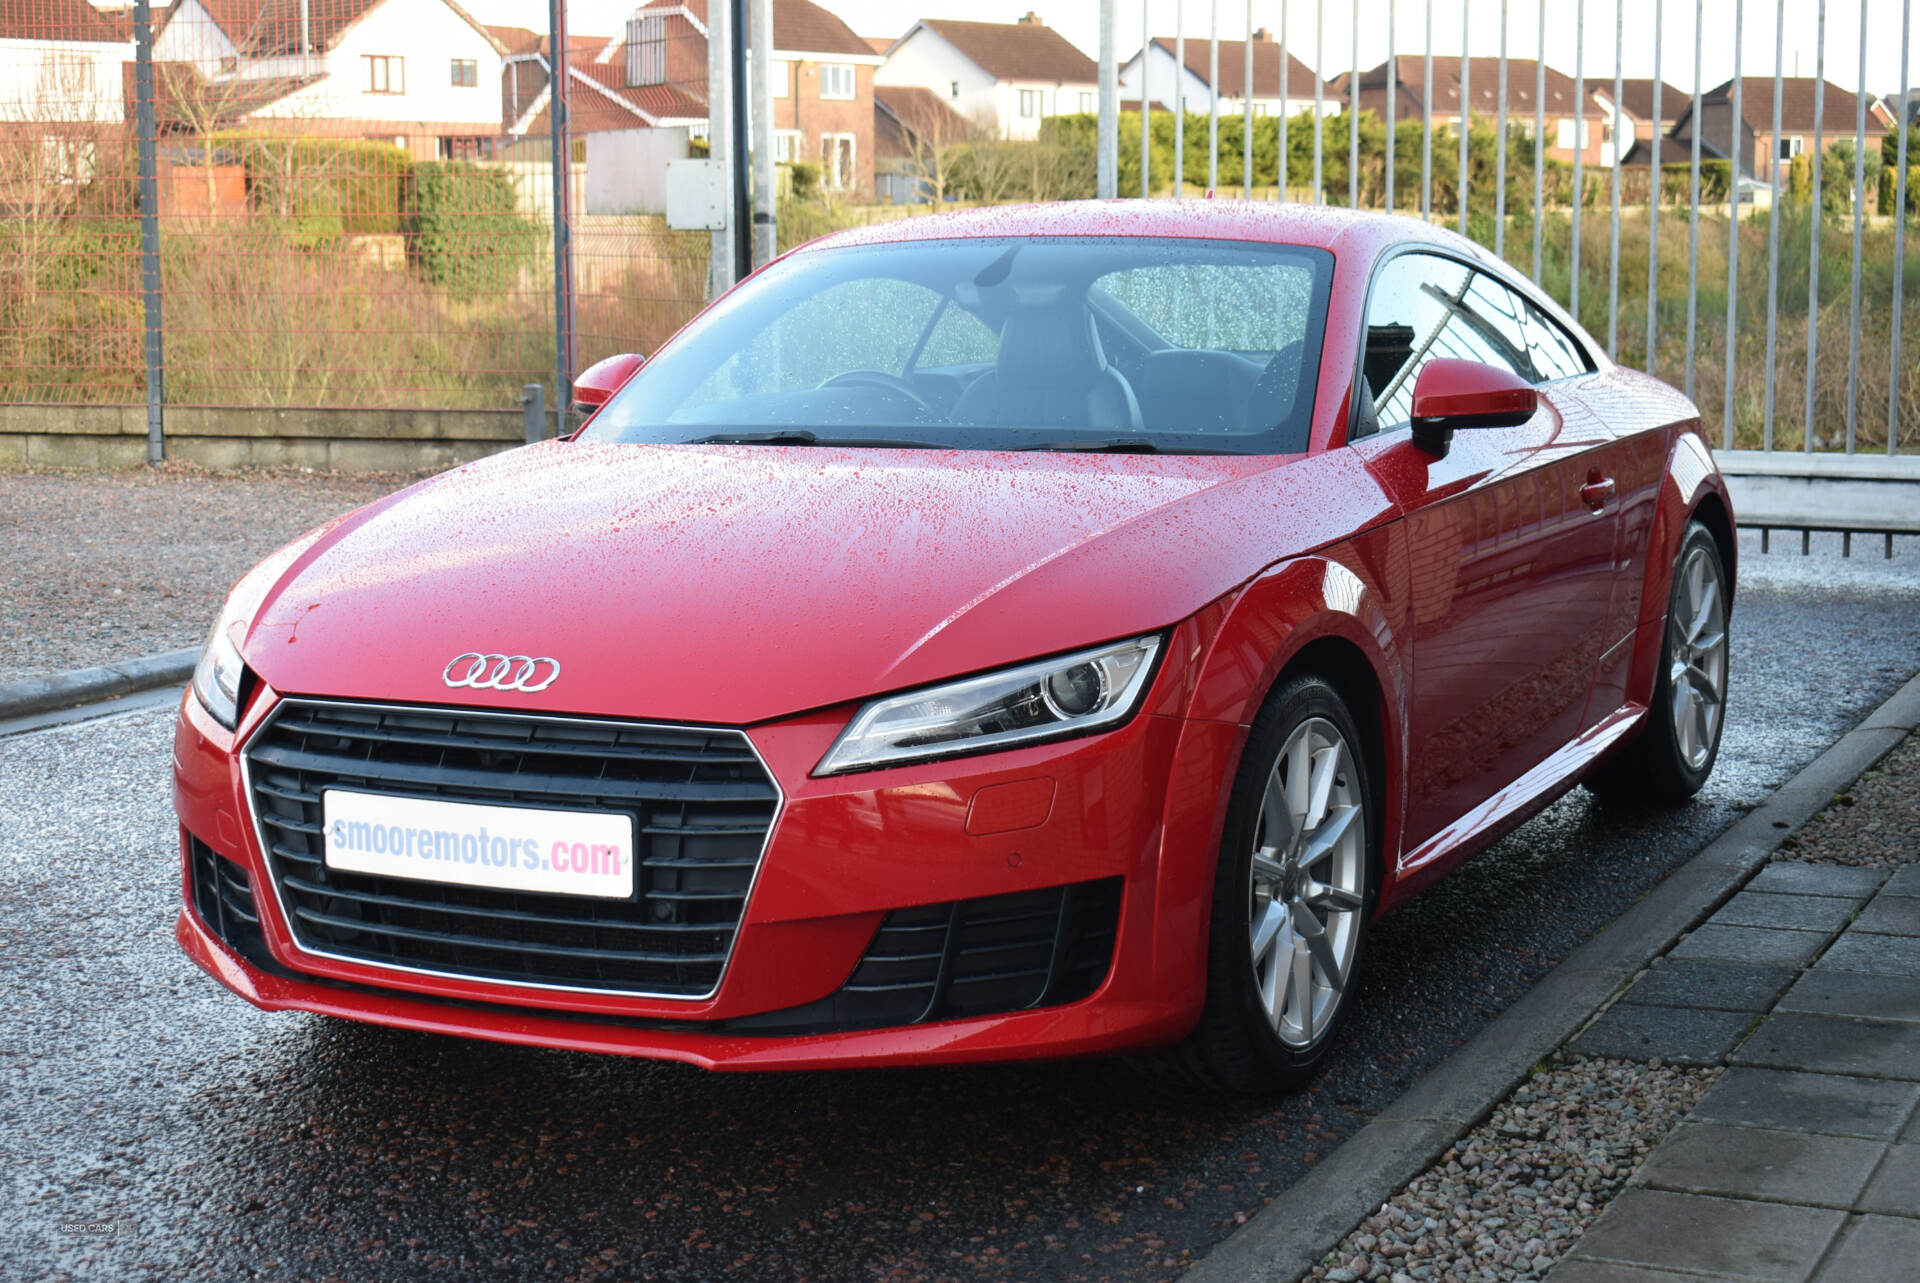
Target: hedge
x,y
325,187
464,228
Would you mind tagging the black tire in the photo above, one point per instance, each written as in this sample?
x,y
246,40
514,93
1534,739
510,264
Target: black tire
x,y
1238,1048
1660,766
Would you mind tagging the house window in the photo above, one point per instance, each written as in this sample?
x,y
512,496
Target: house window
x,y
1791,146
955,91
386,73
778,75
467,148
1567,128
647,50
786,146
466,73
1086,103
1029,103
836,160
836,80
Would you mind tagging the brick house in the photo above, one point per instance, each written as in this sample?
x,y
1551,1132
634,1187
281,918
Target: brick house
x,y
1587,127
1636,104
1750,141
822,77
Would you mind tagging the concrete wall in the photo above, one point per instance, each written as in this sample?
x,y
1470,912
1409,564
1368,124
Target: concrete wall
x,y
112,436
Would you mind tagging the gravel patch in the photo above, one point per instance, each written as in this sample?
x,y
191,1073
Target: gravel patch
x,y
103,566
1512,1196
1874,824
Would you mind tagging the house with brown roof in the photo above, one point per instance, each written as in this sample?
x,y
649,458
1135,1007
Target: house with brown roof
x,y
1750,141
1642,123
1571,123
599,99
60,63
418,73
1005,78
822,76
1167,81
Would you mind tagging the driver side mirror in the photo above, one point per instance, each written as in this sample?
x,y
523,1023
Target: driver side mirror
x,y
593,386
1451,394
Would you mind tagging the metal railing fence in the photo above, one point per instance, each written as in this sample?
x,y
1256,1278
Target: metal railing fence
x,y
314,209
312,205
1727,252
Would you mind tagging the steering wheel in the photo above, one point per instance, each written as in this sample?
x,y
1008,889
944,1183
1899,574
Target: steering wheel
x,y
882,380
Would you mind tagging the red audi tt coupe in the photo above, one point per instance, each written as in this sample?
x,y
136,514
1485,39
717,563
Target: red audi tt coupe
x,y
1023,632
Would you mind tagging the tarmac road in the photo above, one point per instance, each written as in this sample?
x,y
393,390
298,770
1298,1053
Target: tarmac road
x,y
154,1125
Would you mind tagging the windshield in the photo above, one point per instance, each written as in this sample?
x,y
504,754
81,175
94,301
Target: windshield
x,y
1066,343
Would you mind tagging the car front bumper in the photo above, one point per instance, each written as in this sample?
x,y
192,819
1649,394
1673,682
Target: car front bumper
x,y
1118,828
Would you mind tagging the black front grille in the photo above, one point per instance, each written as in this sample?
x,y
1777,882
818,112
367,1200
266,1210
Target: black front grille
x,y
222,896
700,800
970,958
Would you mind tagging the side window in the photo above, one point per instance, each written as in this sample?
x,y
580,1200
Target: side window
x,y
1424,307
959,338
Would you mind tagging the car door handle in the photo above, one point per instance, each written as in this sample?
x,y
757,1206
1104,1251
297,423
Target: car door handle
x,y
1598,492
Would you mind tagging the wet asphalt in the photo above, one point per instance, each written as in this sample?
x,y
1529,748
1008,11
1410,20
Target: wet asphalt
x,y
155,1126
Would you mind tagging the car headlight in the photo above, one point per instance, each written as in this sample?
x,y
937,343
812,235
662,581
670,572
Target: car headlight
x,y
1047,699
216,678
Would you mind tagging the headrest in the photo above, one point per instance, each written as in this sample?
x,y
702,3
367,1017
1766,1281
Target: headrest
x,y
1047,344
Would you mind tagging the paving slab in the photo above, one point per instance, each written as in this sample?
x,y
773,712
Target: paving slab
x,y
1776,1242
1891,915
1854,993
1882,955
1834,1045
1760,946
1874,1249
1575,1270
1770,909
1831,1104
1678,1035
1818,879
1905,881
1895,1188
1710,984
1756,1162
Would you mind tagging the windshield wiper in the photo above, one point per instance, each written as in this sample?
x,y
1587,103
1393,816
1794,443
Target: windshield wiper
x,y
800,436
1122,445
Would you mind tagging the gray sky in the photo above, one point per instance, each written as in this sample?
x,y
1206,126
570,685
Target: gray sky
x,y
1078,20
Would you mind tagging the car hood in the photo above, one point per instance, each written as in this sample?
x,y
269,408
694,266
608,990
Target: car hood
x,y
737,583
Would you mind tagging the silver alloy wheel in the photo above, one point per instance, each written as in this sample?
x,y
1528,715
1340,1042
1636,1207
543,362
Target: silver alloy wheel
x,y
1697,657
1308,882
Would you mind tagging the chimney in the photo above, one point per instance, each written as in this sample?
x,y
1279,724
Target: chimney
x,y
306,39
1263,36
1031,20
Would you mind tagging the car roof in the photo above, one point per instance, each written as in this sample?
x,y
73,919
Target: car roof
x,y
1342,231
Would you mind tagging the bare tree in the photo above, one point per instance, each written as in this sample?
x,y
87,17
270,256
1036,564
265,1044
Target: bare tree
x,y
931,136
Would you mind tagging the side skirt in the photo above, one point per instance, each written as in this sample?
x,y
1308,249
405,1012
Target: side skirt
x,y
1507,809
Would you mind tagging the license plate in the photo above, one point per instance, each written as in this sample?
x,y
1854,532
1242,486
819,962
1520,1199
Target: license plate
x,y
516,848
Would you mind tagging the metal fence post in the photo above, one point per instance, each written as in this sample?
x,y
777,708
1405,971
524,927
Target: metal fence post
x,y
559,127
533,405
1107,144
149,231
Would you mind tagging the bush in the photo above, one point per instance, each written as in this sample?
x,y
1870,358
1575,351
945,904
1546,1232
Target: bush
x,y
805,176
464,228
1890,171
327,187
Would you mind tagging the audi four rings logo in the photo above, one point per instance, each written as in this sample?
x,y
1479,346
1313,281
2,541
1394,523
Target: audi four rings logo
x,y
501,672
